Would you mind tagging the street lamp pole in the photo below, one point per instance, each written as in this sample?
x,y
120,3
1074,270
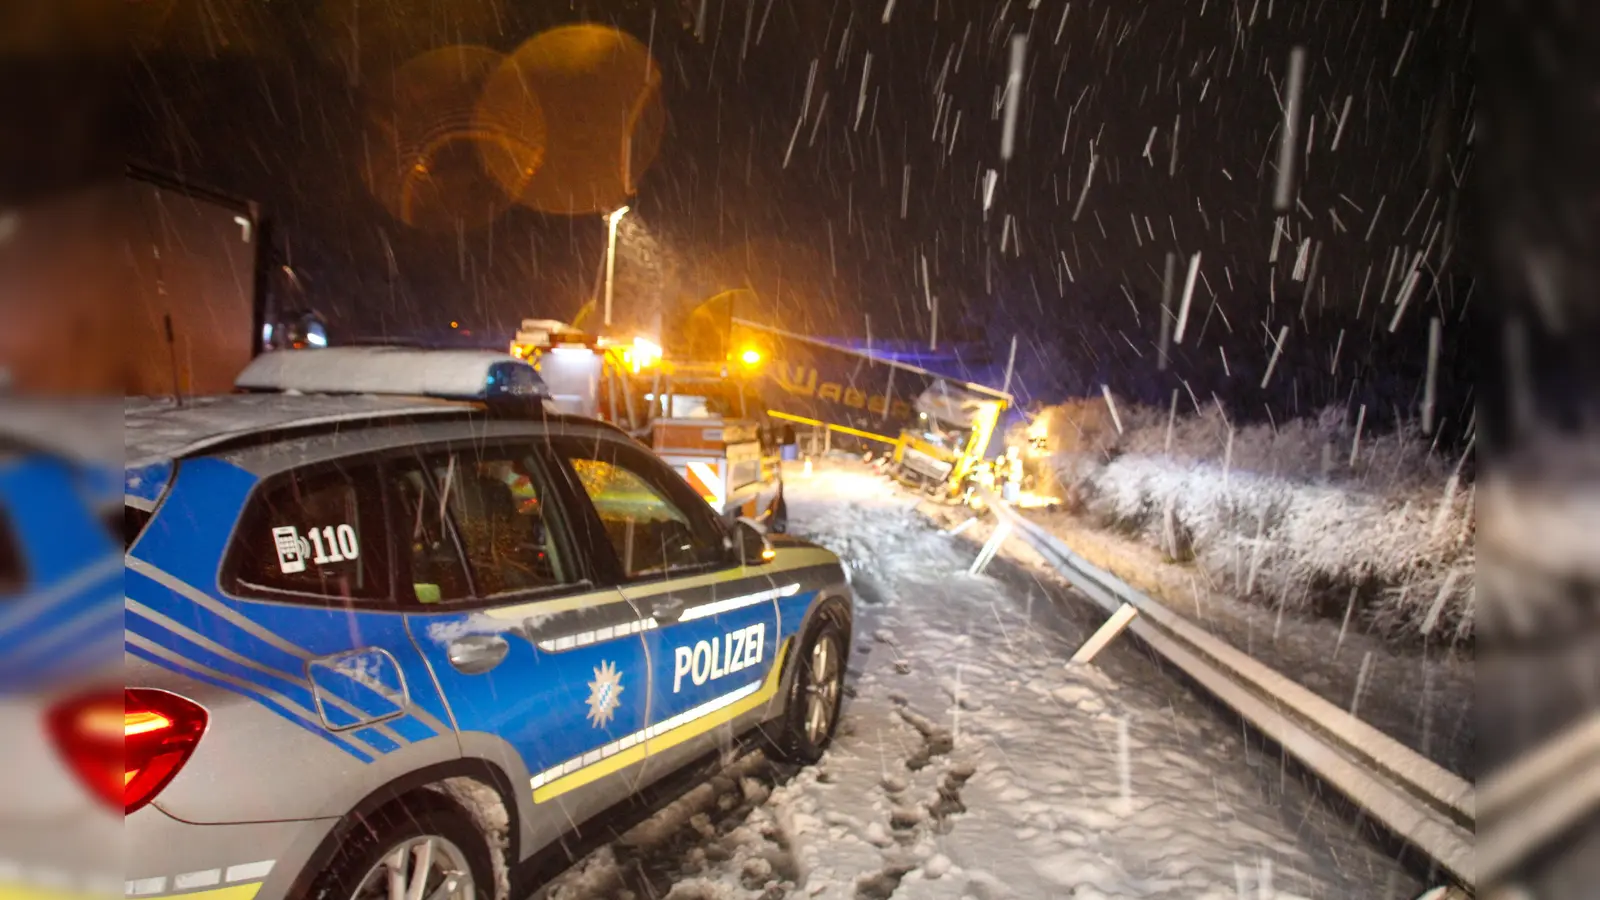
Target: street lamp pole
x,y
611,255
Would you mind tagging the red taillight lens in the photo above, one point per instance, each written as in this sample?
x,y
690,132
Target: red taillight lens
x,y
87,732
160,731
127,767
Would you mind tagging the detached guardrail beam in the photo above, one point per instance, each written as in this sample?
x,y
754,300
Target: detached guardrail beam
x,y
991,547
1416,799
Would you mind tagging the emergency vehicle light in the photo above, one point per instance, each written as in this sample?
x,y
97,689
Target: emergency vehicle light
x,y
646,353
448,374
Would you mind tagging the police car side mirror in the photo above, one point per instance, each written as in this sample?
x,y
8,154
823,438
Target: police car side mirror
x,y
750,546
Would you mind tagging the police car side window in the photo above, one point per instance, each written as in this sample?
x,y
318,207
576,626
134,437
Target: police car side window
x,y
497,503
651,534
425,539
316,532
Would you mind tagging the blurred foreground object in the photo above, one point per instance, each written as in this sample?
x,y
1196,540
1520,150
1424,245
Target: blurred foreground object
x,y
60,648
143,285
1539,609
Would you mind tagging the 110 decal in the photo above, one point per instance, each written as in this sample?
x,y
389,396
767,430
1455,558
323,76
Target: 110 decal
x,y
327,544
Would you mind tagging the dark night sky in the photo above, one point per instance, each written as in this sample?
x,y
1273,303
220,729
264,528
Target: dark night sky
x,y
840,232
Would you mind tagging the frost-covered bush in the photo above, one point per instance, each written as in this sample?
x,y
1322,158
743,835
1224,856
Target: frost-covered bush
x,y
1280,514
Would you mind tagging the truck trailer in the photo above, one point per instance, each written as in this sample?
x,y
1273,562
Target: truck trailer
x,y
935,429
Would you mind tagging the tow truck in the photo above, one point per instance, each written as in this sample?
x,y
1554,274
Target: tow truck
x,y
702,417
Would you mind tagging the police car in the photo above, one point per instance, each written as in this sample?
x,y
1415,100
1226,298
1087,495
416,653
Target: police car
x,y
392,627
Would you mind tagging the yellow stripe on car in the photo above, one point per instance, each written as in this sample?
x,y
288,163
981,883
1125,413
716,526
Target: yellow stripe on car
x,y
16,891
557,781
230,892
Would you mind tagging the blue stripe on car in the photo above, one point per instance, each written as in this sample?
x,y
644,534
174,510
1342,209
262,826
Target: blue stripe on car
x,y
203,612
287,685
148,481
313,727
221,656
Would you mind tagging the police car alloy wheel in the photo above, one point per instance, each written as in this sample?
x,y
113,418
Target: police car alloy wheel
x,y
822,689
812,712
409,852
433,860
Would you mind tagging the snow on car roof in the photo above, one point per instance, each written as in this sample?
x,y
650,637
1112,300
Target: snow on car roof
x,y
457,374
159,429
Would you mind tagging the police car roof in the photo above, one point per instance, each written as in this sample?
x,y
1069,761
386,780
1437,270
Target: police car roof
x,y
161,429
392,370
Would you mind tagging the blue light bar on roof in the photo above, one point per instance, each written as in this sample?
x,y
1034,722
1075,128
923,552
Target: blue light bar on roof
x,y
446,374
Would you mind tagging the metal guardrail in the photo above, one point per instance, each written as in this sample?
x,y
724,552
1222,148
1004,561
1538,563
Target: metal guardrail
x,y
1542,795
1429,807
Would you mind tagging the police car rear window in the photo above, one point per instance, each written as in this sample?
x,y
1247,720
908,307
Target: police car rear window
x,y
133,522
12,575
319,533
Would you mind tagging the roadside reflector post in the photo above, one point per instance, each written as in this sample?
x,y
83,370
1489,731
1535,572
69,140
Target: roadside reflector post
x,y
1106,633
990,548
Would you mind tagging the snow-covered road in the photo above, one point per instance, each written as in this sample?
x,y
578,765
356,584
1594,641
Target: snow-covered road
x,y
971,763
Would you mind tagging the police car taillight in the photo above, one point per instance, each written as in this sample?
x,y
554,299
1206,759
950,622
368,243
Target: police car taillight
x,y
160,731
86,734
128,762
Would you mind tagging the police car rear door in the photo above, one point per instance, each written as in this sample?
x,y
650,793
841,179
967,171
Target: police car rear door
x,y
537,662
714,640
300,619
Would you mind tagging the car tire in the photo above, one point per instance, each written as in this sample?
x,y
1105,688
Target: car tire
x,y
817,690
779,523
361,861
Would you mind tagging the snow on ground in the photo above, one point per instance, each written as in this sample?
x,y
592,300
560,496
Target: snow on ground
x,y
970,763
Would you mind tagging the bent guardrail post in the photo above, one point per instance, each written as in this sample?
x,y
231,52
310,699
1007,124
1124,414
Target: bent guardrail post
x,y
1432,809
957,529
1105,634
